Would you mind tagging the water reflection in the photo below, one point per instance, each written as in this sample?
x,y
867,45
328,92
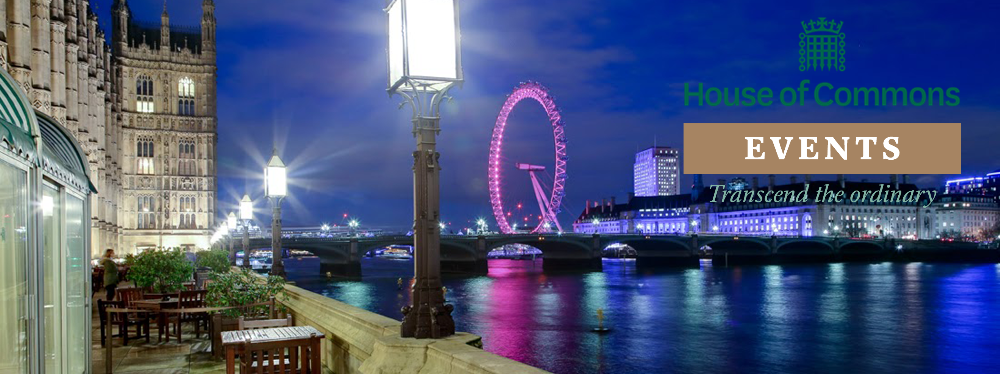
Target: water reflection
x,y
824,318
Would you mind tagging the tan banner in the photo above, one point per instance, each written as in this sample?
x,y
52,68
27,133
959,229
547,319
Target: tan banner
x,y
822,148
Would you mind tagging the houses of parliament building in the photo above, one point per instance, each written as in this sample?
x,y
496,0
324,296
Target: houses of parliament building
x,y
142,106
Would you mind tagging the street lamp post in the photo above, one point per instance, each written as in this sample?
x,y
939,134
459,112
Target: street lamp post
x,y
423,44
275,188
230,227
246,214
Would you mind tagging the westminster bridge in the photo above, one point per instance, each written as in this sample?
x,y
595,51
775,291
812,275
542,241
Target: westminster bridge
x,y
468,253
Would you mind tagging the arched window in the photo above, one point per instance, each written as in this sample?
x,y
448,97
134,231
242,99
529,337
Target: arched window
x,y
146,216
144,156
144,94
185,93
186,163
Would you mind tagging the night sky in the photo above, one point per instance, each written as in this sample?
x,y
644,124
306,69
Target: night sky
x,y
309,75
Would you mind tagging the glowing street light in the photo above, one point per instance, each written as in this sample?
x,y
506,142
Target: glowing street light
x,y
424,62
353,225
275,188
246,214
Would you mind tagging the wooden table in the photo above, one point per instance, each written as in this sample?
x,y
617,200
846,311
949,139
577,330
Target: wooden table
x,y
161,319
231,340
109,363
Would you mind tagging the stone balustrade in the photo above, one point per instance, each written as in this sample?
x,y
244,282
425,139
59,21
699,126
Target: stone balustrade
x,y
359,341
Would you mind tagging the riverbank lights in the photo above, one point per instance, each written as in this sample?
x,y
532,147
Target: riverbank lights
x,y
275,183
246,208
231,221
715,228
423,44
325,227
353,224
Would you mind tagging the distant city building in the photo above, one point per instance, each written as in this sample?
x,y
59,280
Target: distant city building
x,y
988,185
656,172
971,185
695,213
966,215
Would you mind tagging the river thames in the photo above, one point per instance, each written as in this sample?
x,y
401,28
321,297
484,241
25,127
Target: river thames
x,y
815,318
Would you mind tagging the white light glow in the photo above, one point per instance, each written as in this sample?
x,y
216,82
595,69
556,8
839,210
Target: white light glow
x,y
246,208
395,41
47,206
430,33
275,179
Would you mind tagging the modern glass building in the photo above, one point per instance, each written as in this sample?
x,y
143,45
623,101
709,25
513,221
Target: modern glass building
x,y
44,241
656,172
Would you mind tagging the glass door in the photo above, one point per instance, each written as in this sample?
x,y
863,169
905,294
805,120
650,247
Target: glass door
x,y
77,293
13,282
52,230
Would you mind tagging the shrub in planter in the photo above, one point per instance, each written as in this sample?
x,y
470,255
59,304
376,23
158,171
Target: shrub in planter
x,y
161,270
240,288
216,260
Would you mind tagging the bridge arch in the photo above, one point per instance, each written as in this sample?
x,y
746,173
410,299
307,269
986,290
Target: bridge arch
x,y
561,247
806,246
737,245
644,246
861,247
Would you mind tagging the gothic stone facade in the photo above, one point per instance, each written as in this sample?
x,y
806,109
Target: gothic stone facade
x,y
143,109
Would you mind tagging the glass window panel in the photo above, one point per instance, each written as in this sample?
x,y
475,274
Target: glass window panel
x,y
52,218
77,272
13,283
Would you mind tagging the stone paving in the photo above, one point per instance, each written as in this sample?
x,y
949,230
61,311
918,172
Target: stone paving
x,y
189,356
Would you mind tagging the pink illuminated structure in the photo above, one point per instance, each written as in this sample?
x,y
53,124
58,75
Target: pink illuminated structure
x,y
553,203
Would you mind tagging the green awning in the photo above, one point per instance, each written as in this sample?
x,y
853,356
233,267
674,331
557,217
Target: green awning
x,y
17,141
17,121
62,157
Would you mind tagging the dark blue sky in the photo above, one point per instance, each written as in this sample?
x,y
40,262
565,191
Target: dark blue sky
x,y
310,75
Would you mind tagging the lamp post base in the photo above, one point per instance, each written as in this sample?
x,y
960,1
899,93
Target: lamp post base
x,y
427,322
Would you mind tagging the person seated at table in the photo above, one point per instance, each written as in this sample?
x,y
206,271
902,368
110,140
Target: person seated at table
x,y
110,273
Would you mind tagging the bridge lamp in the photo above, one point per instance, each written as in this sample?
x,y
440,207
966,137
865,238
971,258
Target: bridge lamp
x,y
275,188
246,208
246,214
595,221
325,227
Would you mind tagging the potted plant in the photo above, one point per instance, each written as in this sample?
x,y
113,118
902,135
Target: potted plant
x,y
240,289
161,271
208,262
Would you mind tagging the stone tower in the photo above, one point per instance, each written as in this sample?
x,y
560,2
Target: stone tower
x,y
167,76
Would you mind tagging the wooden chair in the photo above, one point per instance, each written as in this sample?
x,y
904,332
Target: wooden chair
x,y
264,323
122,320
189,300
129,295
300,356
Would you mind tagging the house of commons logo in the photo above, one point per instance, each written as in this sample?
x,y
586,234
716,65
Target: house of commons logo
x,y
821,45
